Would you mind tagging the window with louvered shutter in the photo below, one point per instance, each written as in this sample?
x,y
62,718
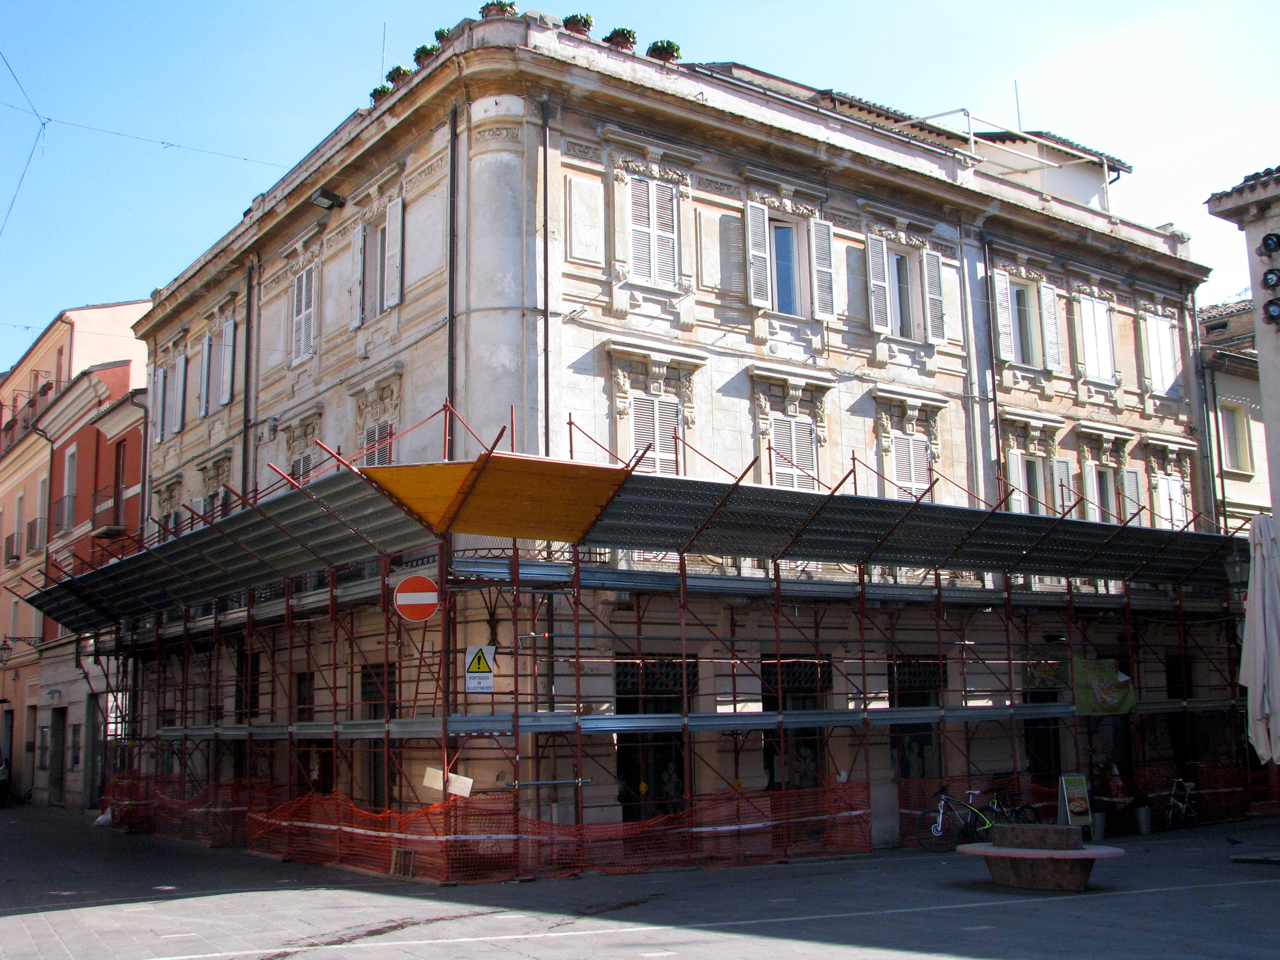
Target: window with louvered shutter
x,y
1063,496
300,469
911,466
641,229
759,286
1004,314
1173,505
1095,327
822,269
1089,475
1049,327
1015,474
794,453
304,313
656,421
377,444
392,250
202,382
1132,489
665,249
227,368
160,380
935,313
1163,359
178,395
878,283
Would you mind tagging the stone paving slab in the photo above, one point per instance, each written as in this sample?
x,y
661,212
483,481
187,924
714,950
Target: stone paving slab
x,y
69,890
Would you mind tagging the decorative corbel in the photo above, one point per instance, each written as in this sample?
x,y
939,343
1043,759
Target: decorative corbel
x,y
657,376
621,392
935,435
884,431
764,413
686,399
619,295
820,419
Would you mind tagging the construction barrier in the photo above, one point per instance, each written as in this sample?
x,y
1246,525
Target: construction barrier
x,y
484,838
216,814
1264,791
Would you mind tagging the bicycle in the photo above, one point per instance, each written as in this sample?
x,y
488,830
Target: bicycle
x,y
1182,810
1002,811
940,830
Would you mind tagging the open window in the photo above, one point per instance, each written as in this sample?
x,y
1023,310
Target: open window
x,y
1163,355
1027,321
904,291
790,263
1097,347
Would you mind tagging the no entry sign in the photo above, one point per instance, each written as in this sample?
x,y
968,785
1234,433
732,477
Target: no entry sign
x,y
417,599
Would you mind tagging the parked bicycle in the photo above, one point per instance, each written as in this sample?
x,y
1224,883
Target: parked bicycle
x,y
1001,810
953,821
1181,810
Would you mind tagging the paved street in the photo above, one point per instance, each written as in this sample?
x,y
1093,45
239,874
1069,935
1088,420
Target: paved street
x,y
68,889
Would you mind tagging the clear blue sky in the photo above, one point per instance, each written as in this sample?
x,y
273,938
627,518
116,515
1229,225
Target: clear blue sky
x,y
1183,91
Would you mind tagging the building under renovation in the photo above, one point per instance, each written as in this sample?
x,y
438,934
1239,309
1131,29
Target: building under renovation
x,y
777,458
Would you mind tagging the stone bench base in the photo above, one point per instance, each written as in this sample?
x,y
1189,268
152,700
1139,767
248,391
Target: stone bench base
x,y
1032,869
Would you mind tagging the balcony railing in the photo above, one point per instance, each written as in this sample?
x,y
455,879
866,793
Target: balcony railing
x,y
13,548
36,537
64,514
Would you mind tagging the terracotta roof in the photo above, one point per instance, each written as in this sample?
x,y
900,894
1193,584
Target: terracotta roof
x,y
1218,310
1254,181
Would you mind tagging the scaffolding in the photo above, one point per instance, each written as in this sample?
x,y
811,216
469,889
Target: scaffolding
x,y
687,672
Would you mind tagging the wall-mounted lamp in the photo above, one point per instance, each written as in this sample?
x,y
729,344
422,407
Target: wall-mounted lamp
x,y
1237,566
326,199
6,651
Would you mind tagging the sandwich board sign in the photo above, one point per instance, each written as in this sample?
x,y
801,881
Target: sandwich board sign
x,y
1073,801
417,599
479,669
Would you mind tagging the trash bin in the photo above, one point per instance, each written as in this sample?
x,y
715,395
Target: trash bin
x,y
1143,816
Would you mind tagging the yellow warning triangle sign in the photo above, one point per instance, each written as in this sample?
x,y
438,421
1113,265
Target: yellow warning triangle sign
x,y
479,664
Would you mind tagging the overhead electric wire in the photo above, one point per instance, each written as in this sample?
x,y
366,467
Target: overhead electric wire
x,y
130,136
20,86
25,167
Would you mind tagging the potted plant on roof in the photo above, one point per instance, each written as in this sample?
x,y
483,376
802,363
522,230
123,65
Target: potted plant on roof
x,y
665,50
442,36
579,23
398,76
497,8
422,56
379,93
620,38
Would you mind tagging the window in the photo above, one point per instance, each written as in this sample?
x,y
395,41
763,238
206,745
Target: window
x,y
1172,506
1130,496
654,246
1027,321
911,458
377,253
304,313
76,740
227,361
304,696
1097,347
204,376
217,368
795,452
904,289
1102,496
300,469
1164,358
778,257
377,444
176,396
657,421
42,750
159,387
1235,438
1035,484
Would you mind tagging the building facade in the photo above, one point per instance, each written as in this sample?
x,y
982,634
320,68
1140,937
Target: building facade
x,y
543,245
69,351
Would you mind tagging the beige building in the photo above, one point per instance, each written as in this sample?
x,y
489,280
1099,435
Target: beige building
x,y
754,294
1239,442
75,342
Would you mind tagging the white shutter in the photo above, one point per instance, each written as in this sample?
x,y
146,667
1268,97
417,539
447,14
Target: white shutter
x,y
1163,361
1049,327
902,474
806,454
920,466
1062,492
644,431
357,276
1179,509
1089,473
822,272
758,280
227,370
668,428
179,393
1090,349
1174,358
202,382
1004,313
1132,494
1017,477
783,442
300,470
665,266
1106,357
878,283
308,310
377,448
641,230
160,378
395,244
298,346
935,316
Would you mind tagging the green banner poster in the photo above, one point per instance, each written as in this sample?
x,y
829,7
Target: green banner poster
x,y
1100,688
1073,800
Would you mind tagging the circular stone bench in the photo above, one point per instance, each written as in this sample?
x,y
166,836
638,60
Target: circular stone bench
x,y
1039,856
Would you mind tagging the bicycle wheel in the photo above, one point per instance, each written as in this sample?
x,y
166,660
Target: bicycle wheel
x,y
938,833
1027,814
1170,813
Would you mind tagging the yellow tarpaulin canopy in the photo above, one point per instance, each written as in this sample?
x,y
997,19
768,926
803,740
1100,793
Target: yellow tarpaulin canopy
x,y
504,495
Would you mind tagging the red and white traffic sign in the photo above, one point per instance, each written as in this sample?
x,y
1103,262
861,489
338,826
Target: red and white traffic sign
x,y
417,599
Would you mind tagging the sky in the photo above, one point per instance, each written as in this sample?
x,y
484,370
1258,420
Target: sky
x,y
237,92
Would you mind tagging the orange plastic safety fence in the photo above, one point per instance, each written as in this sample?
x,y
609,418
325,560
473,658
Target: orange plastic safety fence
x,y
918,795
485,838
215,814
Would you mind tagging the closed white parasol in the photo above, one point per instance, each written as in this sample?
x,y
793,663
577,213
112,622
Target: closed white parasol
x,y
1260,656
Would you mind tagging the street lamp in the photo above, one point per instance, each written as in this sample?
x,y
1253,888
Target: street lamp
x,y
1237,566
6,651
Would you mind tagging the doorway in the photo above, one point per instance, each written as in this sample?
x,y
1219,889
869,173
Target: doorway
x,y
58,757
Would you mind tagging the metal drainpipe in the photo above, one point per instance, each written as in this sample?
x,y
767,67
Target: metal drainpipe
x,y
971,376
451,359
546,276
1209,422
144,507
247,449
994,336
